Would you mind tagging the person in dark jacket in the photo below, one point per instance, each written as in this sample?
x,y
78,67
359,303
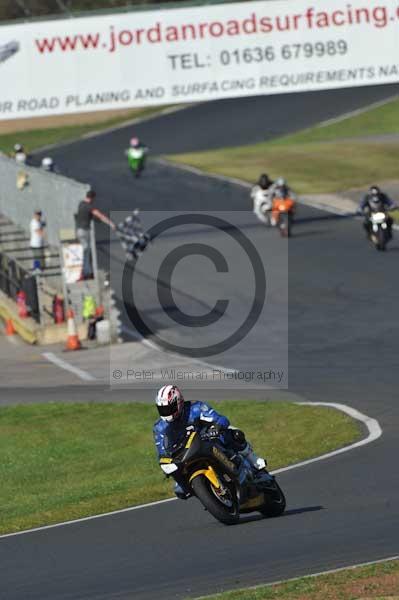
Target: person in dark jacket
x,y
86,213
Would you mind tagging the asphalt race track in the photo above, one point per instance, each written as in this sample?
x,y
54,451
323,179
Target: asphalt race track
x,y
343,347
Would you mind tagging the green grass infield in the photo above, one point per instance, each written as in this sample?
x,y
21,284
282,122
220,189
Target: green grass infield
x,y
378,581
324,159
64,461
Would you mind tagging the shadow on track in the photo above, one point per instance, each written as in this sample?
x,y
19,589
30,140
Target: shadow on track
x,y
287,513
329,217
313,232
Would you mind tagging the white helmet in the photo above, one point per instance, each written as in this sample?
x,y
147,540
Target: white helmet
x,y
281,182
48,163
170,403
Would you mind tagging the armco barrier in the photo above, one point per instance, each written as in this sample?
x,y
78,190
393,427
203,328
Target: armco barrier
x,y
57,196
14,278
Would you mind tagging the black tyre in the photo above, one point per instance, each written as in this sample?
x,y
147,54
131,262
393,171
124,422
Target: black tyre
x,y
284,225
381,239
224,510
289,224
275,504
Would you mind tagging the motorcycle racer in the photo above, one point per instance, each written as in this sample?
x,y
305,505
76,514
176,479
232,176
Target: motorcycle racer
x,y
176,415
136,155
281,189
19,154
376,201
132,235
261,196
283,198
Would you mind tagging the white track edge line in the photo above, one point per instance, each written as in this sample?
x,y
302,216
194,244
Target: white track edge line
x,y
318,574
90,518
305,201
357,111
56,360
246,185
372,425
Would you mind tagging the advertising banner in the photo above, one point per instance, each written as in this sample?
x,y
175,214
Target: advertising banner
x,y
195,54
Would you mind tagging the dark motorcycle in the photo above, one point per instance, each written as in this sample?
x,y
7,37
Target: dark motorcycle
x,y
225,484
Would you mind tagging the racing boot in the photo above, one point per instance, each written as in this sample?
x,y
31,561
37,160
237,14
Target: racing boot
x,y
255,461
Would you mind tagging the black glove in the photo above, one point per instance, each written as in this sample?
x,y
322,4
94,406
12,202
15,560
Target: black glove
x,y
213,432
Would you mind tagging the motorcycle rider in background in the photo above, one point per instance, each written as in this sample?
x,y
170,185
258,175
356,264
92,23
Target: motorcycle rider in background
x,y
19,154
376,201
136,155
261,196
132,234
280,191
176,415
48,165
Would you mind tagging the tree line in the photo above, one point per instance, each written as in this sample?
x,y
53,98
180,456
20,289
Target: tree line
x,y
20,9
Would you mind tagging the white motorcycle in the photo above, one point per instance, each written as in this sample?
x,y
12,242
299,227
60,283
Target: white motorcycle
x,y
378,230
262,205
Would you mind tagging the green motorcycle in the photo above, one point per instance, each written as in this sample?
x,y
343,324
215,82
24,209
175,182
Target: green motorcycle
x,y
136,158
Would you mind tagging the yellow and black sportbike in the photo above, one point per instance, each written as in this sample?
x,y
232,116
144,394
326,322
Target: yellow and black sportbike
x,y
224,482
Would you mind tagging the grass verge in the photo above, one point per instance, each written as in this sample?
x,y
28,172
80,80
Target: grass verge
x,y
38,138
379,581
64,461
323,159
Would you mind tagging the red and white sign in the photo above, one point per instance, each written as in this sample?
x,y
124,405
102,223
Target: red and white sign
x,y
195,54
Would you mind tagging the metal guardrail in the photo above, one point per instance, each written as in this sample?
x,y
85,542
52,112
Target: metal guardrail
x,y
14,278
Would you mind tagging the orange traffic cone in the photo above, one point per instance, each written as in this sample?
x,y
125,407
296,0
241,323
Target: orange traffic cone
x,y
10,329
73,342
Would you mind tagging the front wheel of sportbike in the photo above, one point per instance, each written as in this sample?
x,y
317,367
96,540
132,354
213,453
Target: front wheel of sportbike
x,y
381,240
275,501
222,504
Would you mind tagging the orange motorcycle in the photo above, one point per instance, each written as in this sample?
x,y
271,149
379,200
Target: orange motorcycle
x,y
283,215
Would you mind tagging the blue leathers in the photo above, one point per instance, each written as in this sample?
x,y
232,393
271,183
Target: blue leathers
x,y
197,414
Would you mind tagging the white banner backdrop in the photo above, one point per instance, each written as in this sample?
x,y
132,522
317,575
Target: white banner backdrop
x,y
195,54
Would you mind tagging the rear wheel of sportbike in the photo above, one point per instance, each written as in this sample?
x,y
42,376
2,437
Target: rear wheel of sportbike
x,y
222,505
275,502
381,237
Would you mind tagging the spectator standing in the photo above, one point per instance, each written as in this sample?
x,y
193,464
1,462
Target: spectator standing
x,y
37,239
20,154
86,213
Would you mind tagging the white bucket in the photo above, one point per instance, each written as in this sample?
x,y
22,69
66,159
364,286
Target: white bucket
x,y
103,332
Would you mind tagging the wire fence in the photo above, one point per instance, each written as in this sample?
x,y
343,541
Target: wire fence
x,y
14,278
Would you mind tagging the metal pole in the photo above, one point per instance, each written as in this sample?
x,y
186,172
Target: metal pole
x,y
94,262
